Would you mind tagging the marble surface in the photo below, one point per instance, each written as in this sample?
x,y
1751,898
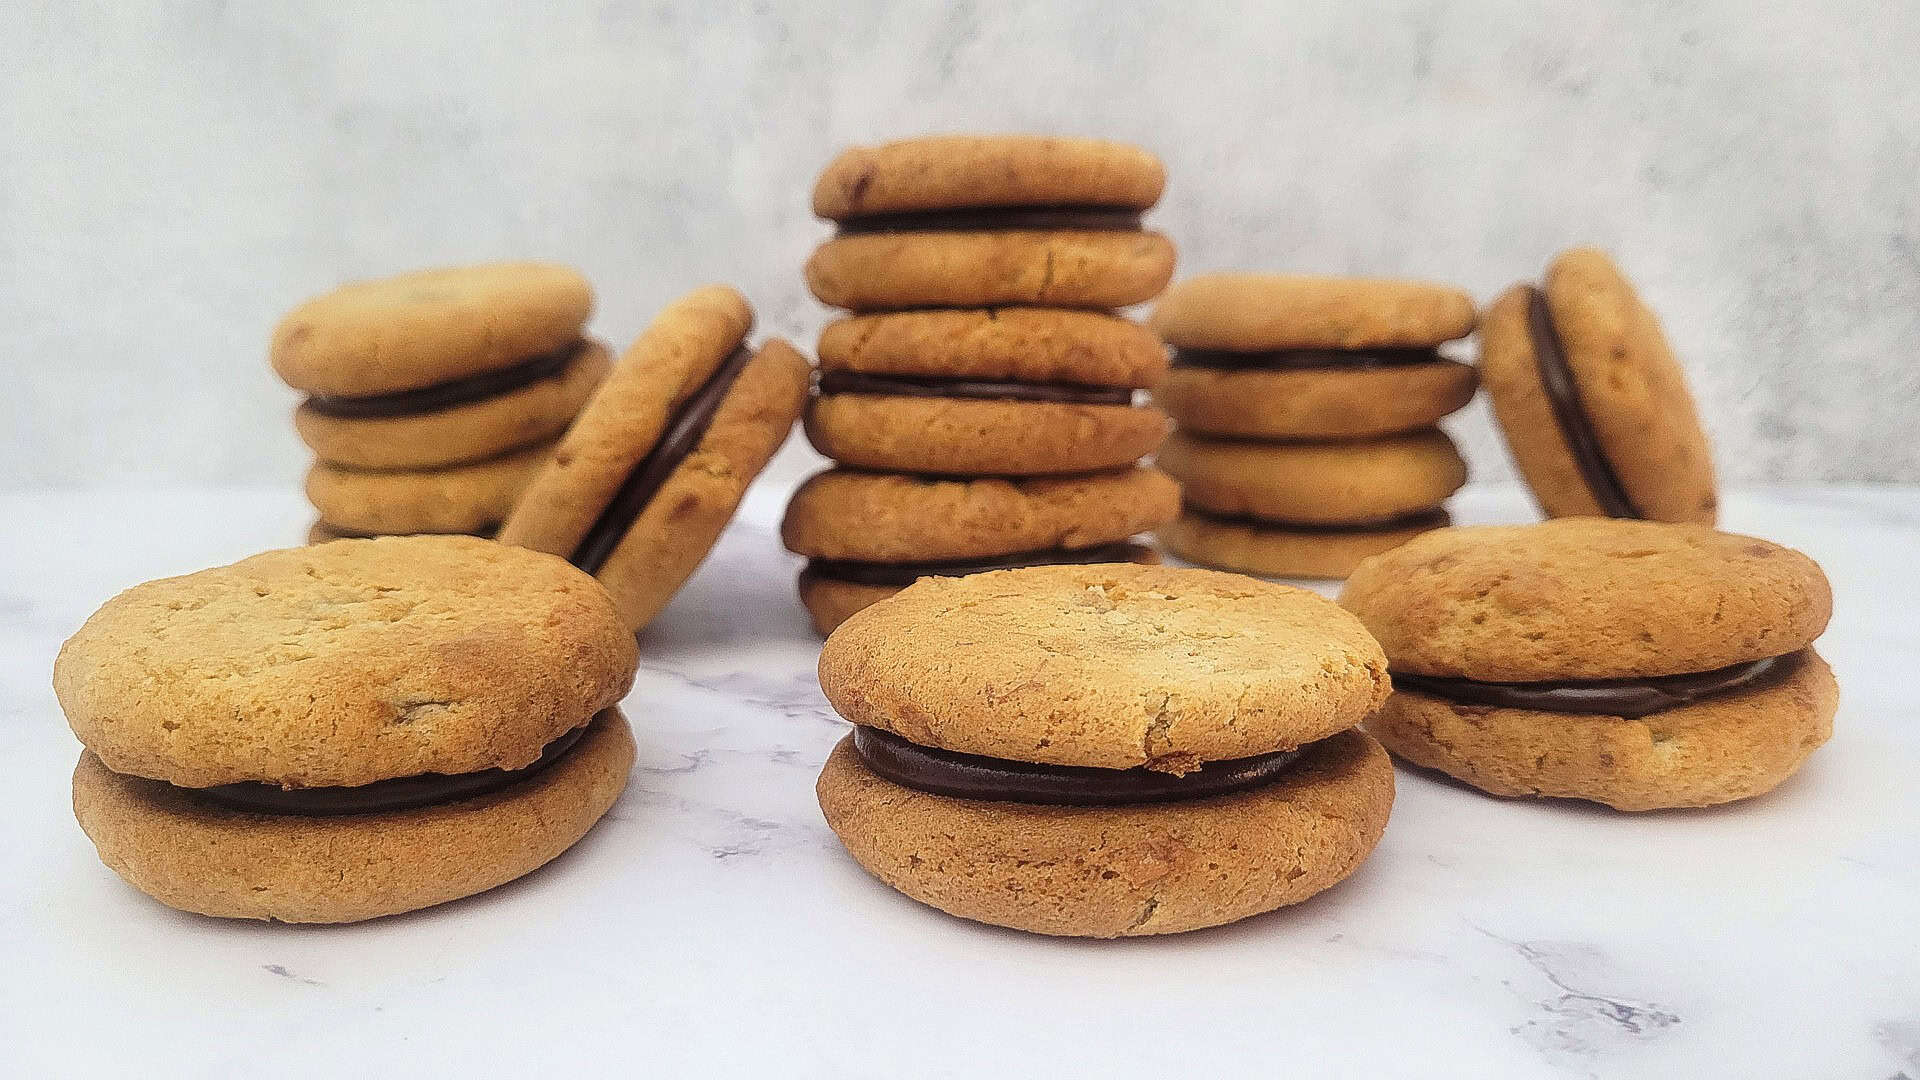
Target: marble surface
x,y
711,925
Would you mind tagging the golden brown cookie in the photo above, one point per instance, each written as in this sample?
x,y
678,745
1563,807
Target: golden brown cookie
x,y
1257,312
1253,547
888,518
344,663
1118,871
1722,748
1113,666
202,857
644,481
1587,598
469,498
1591,400
1315,403
1072,268
1020,344
963,437
487,427
427,327
954,171
1347,483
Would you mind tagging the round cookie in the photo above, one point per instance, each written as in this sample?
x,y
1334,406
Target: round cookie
x,y
491,426
1315,403
1060,268
1722,748
956,436
1587,598
428,327
1626,390
1349,483
957,171
642,484
343,664
203,858
1250,547
880,517
1017,344
469,498
1244,312
1124,870
1111,666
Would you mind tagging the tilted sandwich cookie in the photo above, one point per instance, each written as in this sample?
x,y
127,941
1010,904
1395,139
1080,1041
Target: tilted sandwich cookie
x,y
1591,400
639,488
1637,664
1105,751
335,733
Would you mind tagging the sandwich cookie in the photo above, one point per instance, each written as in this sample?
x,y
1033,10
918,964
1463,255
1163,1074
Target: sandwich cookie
x,y
1642,665
336,733
979,221
642,484
471,498
1306,410
1591,400
1014,392
440,367
1105,751
866,535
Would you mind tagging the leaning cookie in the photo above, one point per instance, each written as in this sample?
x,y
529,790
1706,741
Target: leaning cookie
x,y
340,732
1591,400
1637,664
648,476
1003,767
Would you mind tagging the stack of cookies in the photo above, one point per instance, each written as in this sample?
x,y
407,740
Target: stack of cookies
x,y
1306,410
433,397
979,401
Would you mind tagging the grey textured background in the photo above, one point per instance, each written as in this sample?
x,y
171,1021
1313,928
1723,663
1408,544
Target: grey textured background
x,y
173,176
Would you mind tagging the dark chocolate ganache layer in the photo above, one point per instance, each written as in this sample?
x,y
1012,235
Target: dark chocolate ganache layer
x,y
1303,359
400,793
1042,218
1563,396
449,394
855,382
1606,697
970,776
682,435
904,574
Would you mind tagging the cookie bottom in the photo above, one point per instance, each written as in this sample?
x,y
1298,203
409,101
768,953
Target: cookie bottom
x,y
1728,747
467,498
191,855
1277,551
1121,871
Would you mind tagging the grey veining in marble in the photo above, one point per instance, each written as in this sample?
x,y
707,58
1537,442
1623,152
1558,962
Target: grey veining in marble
x,y
175,175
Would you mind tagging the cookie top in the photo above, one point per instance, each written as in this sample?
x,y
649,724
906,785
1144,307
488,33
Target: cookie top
x,y
430,326
947,172
345,663
1019,344
1586,598
886,517
1244,312
1642,444
1111,666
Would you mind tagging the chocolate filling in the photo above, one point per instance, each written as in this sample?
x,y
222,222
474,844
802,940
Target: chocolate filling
x,y
903,574
1563,394
1078,218
1431,519
855,382
1303,359
1607,697
970,776
446,395
682,435
400,793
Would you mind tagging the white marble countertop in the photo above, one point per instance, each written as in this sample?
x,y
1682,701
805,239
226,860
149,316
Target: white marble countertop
x,y
713,925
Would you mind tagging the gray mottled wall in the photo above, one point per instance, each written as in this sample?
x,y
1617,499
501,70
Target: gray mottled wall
x,y
172,176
